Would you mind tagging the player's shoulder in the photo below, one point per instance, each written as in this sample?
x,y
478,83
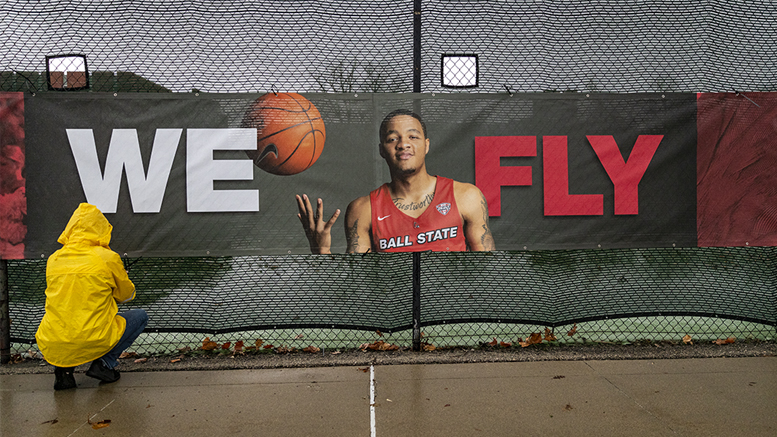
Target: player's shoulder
x,y
359,207
468,197
466,190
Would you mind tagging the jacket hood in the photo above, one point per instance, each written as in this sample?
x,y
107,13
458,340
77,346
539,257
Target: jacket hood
x,y
87,225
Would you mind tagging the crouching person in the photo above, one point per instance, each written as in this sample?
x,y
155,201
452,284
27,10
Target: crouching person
x,y
84,281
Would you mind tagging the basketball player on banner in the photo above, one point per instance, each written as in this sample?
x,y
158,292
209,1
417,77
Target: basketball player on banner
x,y
414,212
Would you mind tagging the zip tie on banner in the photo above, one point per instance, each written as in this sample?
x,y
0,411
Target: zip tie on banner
x,y
272,88
508,90
748,98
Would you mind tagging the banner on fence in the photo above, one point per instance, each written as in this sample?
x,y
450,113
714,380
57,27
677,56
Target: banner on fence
x,y
198,175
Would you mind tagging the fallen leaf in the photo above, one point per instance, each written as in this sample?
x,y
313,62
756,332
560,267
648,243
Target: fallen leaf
x,y
52,421
364,369
447,405
239,346
493,343
559,377
208,345
383,346
505,344
185,349
101,424
726,341
379,345
530,340
336,353
687,339
380,334
259,342
428,347
226,345
311,349
568,407
141,360
549,335
299,336
175,360
572,331
127,355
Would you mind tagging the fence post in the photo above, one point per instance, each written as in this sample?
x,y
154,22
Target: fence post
x,y
416,301
417,46
5,315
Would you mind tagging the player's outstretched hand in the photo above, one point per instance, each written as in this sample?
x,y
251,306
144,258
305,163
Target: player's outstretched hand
x,y
318,231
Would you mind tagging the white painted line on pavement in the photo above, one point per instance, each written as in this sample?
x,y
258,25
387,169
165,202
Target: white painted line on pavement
x,y
90,418
372,401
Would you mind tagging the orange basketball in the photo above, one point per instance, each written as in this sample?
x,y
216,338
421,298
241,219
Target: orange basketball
x,y
290,133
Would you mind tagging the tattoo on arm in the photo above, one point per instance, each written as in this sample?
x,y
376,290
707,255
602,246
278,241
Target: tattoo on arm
x,y
487,240
353,237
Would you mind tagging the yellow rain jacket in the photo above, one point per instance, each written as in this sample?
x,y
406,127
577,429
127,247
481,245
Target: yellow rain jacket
x,y
85,279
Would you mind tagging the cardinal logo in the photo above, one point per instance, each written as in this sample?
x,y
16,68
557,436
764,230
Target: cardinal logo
x,y
444,208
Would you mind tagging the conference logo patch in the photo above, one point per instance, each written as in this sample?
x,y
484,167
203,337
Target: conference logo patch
x,y
444,208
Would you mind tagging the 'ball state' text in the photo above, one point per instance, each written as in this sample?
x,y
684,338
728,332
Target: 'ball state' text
x,y
422,238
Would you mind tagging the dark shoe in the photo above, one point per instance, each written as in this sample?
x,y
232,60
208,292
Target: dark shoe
x,y
99,370
63,378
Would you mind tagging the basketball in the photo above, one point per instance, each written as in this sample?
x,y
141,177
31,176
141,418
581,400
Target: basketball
x,y
290,133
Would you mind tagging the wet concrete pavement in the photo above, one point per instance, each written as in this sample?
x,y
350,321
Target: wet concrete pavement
x,y
688,397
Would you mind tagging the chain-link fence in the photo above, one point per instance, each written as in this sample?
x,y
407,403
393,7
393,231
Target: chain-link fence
x,y
394,46
403,46
452,299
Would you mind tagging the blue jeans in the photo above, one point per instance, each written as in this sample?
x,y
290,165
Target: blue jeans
x,y
136,322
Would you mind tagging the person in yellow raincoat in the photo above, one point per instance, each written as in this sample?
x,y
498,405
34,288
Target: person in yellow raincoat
x,y
85,280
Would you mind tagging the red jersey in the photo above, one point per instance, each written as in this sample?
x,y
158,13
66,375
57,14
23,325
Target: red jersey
x,y
439,228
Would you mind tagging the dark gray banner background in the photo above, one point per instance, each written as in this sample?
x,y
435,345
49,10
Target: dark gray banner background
x,y
350,167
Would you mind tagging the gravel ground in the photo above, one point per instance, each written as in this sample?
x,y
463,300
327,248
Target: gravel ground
x,y
542,352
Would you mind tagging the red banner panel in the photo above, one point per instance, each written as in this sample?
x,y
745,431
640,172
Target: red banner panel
x,y
13,197
737,169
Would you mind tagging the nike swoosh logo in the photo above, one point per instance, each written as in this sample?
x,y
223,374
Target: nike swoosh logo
x,y
380,219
